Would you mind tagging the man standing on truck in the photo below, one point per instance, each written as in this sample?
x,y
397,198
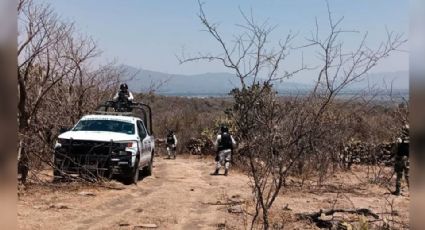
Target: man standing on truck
x,y
171,144
224,144
123,98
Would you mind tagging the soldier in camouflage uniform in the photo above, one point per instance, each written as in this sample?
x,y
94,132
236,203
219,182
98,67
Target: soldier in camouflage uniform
x,y
350,151
225,144
171,144
401,164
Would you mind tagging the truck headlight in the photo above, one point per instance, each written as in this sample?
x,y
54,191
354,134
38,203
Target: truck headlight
x,y
129,145
60,142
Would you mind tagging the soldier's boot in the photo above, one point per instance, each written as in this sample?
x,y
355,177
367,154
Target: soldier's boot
x,y
215,172
226,168
397,184
406,175
396,192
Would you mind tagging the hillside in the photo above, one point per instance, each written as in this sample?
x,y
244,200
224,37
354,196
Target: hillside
x,y
208,84
219,84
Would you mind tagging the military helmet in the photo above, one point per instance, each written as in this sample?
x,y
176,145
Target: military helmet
x,y
224,129
124,86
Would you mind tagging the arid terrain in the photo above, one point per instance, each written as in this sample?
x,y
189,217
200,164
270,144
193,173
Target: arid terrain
x,y
182,194
317,141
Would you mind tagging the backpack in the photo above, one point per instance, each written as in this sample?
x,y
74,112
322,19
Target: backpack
x,y
402,149
225,142
170,139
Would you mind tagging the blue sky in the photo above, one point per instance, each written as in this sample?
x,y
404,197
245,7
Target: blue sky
x,y
148,34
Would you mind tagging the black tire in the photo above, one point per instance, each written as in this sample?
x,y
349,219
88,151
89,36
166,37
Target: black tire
x,y
136,175
57,176
133,178
57,173
147,171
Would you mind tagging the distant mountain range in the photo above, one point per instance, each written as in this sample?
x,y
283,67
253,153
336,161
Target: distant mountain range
x,y
398,80
219,84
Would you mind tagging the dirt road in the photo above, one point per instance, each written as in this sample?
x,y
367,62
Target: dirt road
x,y
181,194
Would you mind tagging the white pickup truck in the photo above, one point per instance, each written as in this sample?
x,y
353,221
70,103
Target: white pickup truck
x,y
107,145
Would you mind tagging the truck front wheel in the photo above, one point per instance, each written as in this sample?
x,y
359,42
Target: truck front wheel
x,y
147,171
133,178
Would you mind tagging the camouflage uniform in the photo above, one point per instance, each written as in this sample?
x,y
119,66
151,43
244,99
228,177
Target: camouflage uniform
x,y
224,154
171,145
350,151
224,157
401,164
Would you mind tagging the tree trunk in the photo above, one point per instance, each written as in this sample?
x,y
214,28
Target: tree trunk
x,y
22,126
22,162
265,219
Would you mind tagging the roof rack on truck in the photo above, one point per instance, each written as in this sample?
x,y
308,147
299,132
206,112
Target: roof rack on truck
x,y
114,113
136,109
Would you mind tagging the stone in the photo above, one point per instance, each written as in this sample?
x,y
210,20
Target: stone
x,y
86,194
146,226
235,199
235,209
59,206
138,210
286,208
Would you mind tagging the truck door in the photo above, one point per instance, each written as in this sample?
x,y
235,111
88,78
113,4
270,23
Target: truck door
x,y
145,144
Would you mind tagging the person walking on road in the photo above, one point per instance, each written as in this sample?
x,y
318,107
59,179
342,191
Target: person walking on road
x,y
225,143
171,144
401,164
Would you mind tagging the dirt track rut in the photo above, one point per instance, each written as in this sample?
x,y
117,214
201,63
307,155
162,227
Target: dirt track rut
x,y
179,195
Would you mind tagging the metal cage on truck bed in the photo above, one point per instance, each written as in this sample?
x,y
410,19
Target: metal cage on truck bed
x,y
135,109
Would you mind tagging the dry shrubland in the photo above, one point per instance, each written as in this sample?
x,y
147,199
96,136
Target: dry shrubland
x,y
305,133
299,136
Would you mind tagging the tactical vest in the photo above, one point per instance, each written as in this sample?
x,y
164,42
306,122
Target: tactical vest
x,y
123,95
170,140
225,142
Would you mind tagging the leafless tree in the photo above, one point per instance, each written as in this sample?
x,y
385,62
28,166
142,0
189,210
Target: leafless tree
x,y
278,138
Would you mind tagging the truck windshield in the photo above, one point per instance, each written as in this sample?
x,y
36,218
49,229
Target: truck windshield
x,y
105,125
